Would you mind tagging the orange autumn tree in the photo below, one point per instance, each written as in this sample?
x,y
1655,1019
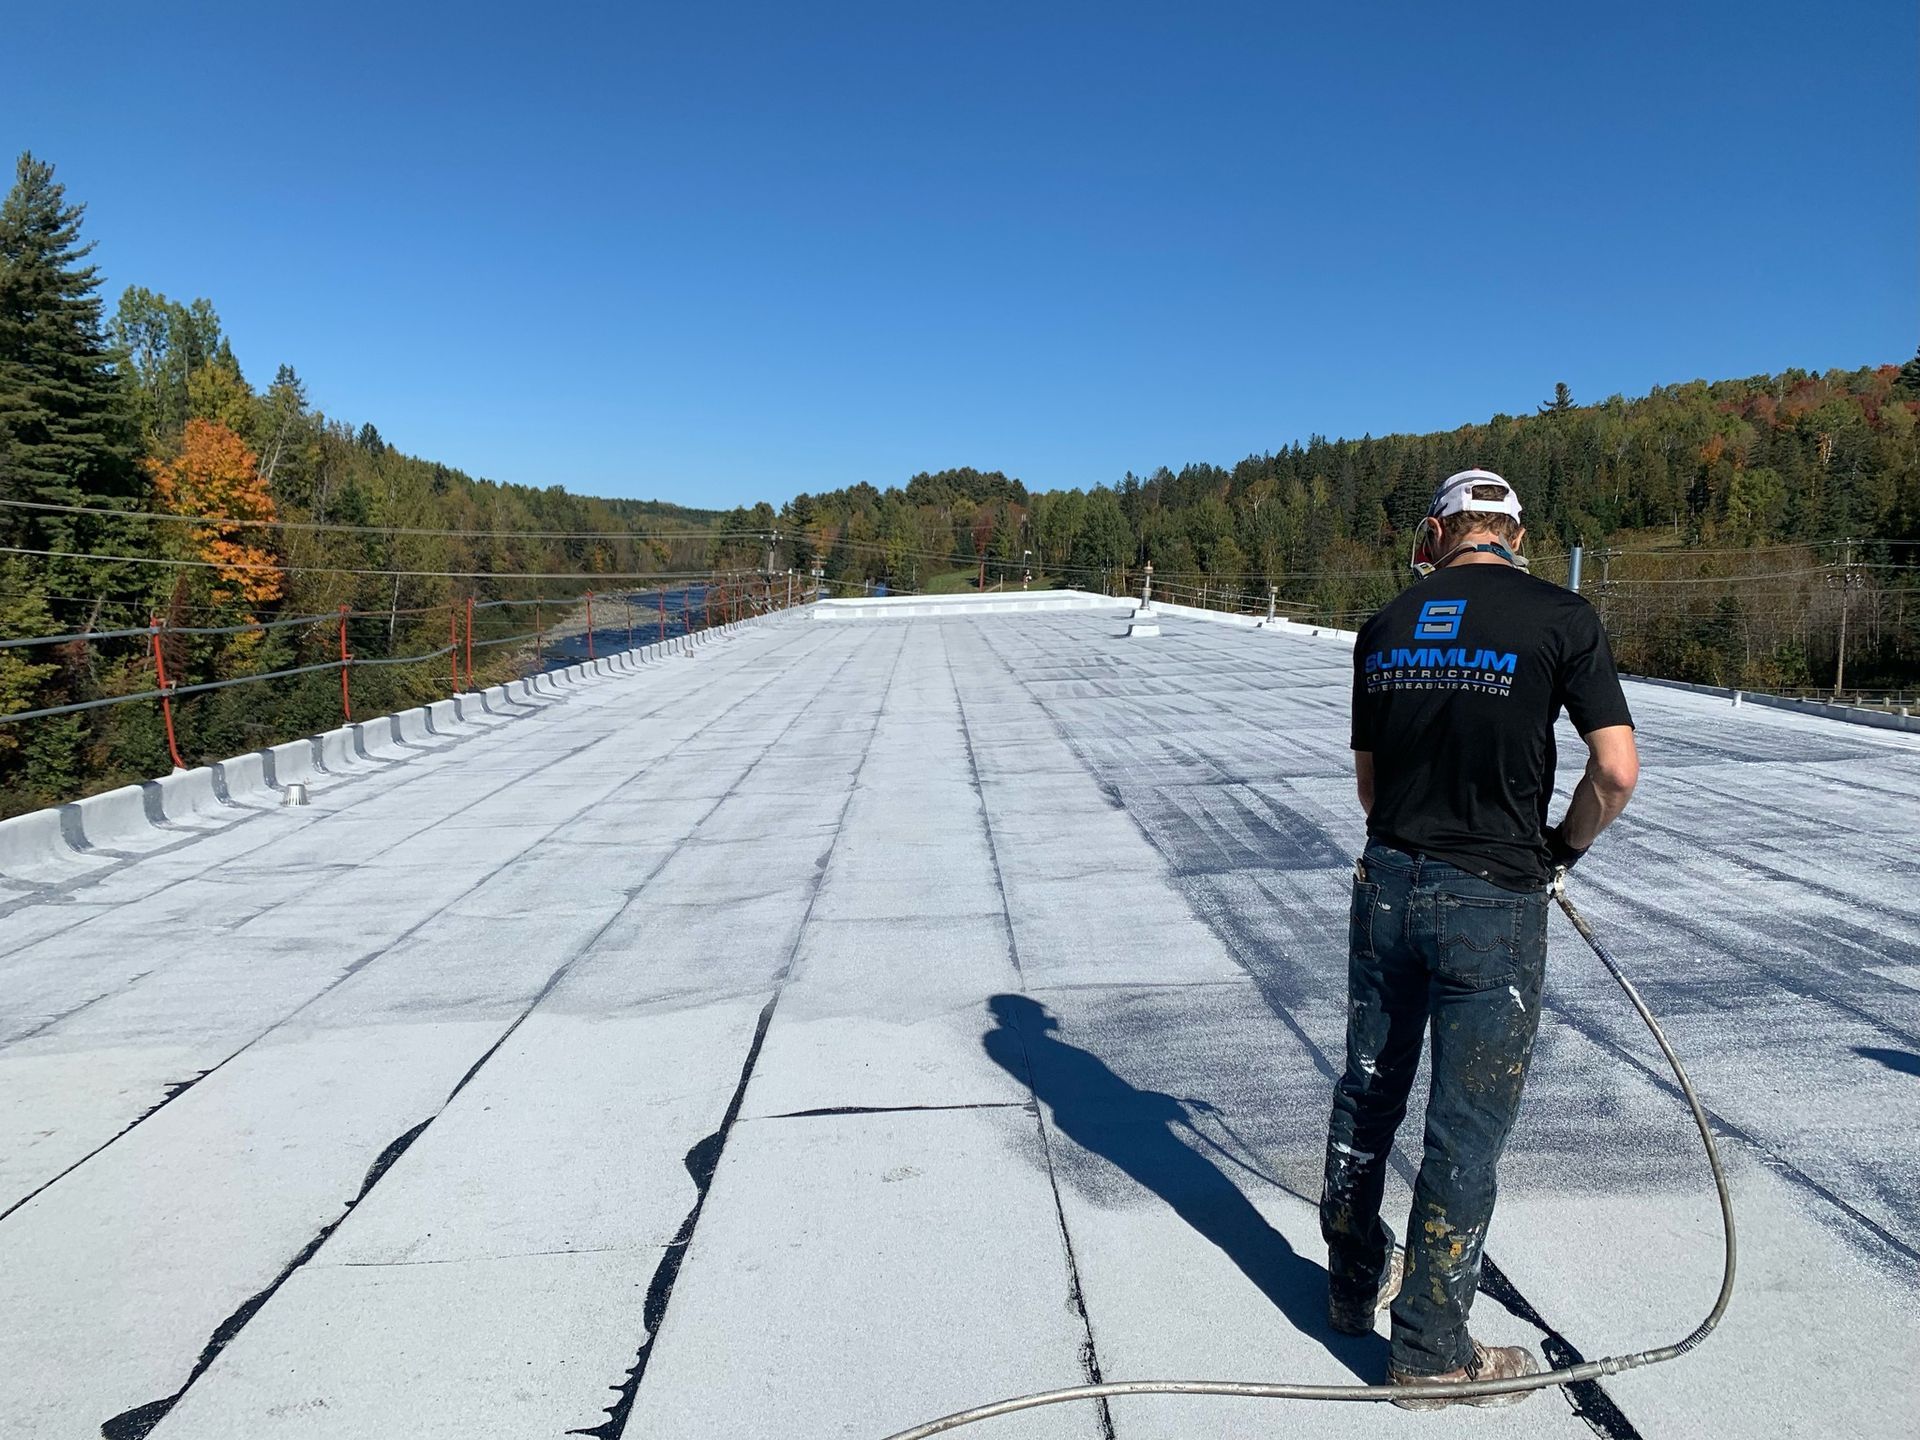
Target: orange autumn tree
x,y
216,474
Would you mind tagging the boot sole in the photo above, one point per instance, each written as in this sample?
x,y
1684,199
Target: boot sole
x,y
1482,1402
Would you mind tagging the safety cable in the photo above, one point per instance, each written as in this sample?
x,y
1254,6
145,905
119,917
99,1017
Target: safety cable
x,y
146,630
174,692
329,618
279,566
1464,1390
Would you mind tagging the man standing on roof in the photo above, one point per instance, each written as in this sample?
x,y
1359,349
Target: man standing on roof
x,y
1457,684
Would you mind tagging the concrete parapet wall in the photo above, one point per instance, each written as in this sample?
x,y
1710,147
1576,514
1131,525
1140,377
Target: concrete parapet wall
x,y
1850,714
289,764
1280,626
410,727
244,779
334,751
185,794
34,847
112,820
57,845
1008,602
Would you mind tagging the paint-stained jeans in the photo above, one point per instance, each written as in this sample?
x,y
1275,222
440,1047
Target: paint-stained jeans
x,y
1429,948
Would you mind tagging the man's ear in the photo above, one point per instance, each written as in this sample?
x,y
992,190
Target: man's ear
x,y
1519,540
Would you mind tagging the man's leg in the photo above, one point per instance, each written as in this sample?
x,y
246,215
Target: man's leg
x,y
1386,1021
1488,959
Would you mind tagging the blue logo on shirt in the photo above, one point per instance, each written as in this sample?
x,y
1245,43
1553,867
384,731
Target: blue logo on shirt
x,y
1423,666
1440,620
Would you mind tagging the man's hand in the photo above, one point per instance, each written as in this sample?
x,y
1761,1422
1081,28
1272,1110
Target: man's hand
x,y
1563,855
1613,769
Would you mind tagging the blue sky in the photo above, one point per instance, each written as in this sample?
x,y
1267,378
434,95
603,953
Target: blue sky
x,y
714,253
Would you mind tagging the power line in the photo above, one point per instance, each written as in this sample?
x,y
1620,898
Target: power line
x,y
691,533
289,568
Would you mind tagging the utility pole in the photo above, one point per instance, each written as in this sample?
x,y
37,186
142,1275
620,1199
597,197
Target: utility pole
x,y
1846,595
1026,568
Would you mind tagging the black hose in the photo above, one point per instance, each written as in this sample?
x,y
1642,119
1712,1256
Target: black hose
x,y
1465,1390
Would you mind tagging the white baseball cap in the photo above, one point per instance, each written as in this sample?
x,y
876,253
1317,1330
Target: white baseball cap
x,y
1456,494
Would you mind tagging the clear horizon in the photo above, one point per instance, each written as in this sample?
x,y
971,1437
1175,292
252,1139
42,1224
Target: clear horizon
x,y
718,258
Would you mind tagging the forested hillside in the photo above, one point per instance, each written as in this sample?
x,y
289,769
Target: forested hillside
x,y
147,409
160,508
1726,525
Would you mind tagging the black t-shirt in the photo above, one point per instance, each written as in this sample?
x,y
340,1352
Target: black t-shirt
x,y
1457,683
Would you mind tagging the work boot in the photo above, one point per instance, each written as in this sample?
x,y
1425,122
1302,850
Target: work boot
x,y
1354,1315
1489,1362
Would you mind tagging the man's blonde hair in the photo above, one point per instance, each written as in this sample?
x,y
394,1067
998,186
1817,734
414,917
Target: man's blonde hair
x,y
1456,527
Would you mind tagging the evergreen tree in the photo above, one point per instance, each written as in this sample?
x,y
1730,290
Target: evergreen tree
x,y
802,524
1909,377
1561,402
64,436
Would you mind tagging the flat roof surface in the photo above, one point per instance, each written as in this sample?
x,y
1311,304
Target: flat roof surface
x,y
860,1021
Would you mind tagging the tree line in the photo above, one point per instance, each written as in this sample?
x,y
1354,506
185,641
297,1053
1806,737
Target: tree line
x,y
1725,525
263,507
1732,530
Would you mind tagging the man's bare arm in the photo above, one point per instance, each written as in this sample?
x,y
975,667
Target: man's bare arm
x,y
1363,777
1613,769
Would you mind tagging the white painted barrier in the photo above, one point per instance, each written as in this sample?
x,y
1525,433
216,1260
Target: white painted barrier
x,y
1849,714
472,710
374,740
53,843
333,751
290,764
898,607
115,820
186,795
243,779
33,847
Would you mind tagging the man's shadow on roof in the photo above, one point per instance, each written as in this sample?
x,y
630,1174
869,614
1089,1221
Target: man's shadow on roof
x,y
1905,1061
1141,1133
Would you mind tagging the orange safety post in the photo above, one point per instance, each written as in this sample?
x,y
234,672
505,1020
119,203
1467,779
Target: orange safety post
x,y
166,702
539,638
589,625
346,699
706,594
453,650
626,603
663,614
469,642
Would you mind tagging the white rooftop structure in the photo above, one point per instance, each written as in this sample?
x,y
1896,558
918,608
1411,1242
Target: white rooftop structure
x,y
842,1024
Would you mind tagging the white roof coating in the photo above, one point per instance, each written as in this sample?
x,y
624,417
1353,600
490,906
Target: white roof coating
x,y
674,1063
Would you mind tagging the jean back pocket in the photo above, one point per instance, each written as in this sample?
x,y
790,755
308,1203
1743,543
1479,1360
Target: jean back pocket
x,y
1479,939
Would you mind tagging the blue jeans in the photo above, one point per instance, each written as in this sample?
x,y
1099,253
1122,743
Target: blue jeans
x,y
1430,949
